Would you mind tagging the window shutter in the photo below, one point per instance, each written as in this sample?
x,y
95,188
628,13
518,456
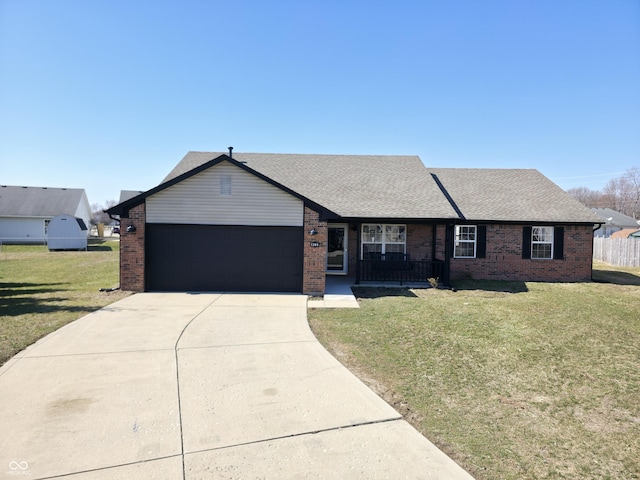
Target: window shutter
x,y
558,243
526,242
481,247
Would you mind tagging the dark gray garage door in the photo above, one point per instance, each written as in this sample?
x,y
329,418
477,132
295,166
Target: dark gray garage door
x,y
224,258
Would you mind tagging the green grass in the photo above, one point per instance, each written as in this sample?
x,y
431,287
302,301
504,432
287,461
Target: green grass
x,y
512,380
40,291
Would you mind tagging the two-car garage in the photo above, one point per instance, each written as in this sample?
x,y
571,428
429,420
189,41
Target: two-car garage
x,y
222,228
224,258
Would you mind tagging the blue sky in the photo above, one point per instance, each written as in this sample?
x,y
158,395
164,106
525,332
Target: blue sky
x,y
110,94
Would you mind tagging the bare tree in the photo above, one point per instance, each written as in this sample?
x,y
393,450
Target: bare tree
x,y
98,215
621,194
586,196
613,193
632,176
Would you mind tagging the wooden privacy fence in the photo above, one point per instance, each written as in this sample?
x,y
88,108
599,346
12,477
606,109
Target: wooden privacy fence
x,y
621,252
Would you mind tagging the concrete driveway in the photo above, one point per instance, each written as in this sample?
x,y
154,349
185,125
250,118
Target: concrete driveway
x,y
190,386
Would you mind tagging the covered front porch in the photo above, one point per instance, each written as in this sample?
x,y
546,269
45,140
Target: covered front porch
x,y
386,254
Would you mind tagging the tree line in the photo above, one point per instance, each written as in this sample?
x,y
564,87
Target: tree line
x,y
621,194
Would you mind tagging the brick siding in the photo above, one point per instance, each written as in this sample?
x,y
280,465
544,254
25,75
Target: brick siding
x,y
132,254
440,242
315,258
420,242
504,260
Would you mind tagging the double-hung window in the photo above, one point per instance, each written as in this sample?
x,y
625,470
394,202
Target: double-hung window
x,y
542,242
381,239
466,237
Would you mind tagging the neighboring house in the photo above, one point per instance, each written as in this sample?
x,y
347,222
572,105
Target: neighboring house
x,y
282,222
626,233
25,212
612,221
128,194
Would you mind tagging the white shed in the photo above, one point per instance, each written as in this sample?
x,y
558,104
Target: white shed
x,y
66,232
25,212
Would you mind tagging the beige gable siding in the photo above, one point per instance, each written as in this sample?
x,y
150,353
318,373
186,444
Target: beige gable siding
x,y
198,200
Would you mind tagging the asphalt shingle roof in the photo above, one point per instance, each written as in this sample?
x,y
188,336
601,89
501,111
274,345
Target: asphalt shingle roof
x,y
618,219
522,195
401,187
372,186
18,201
128,194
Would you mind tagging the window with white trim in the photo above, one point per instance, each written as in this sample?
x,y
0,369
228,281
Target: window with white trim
x,y
466,237
542,242
381,239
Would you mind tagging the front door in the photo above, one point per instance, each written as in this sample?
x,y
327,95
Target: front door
x,y
337,249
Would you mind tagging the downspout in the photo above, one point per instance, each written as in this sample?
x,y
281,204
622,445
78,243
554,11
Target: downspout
x,y
358,249
434,237
448,247
597,226
112,217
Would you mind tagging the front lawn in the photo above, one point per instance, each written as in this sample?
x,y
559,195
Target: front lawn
x,y
512,380
40,291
